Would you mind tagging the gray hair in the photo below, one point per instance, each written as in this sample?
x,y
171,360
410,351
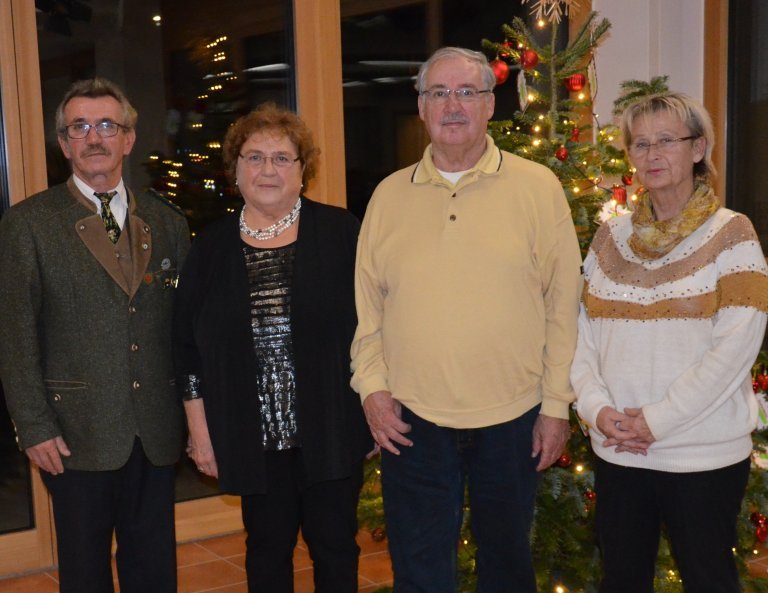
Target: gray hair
x,y
687,110
489,78
94,88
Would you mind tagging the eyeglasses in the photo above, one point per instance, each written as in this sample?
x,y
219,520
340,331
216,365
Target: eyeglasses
x,y
105,129
463,95
256,160
663,145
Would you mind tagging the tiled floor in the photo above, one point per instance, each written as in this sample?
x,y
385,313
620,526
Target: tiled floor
x,y
217,566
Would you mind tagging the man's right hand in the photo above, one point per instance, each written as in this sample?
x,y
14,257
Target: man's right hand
x,y
47,455
383,413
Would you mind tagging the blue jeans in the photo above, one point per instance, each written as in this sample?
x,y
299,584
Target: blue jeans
x,y
423,491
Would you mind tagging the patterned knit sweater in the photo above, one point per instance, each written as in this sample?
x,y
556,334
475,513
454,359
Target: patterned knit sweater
x,y
677,337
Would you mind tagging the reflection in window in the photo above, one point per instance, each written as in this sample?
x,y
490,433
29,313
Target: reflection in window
x,y
190,68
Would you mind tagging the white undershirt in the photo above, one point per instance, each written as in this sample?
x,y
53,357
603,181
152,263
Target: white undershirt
x,y
118,204
452,176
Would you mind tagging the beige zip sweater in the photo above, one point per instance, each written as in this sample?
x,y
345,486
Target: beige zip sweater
x,y
467,294
677,337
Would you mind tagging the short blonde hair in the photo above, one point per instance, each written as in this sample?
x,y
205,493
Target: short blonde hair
x,y
268,117
687,110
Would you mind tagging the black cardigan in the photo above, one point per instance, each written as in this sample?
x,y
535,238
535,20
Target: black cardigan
x,y
212,339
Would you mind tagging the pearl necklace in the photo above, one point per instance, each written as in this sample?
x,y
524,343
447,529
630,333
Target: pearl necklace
x,y
272,230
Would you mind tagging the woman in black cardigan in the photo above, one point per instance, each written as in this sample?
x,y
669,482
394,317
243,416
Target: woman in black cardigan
x,y
265,315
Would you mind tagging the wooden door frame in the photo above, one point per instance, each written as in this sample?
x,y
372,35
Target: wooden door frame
x,y
716,83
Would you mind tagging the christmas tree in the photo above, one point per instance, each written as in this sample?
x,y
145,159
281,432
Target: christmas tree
x,y
555,126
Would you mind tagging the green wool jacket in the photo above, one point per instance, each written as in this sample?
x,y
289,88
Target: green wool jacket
x,y
85,327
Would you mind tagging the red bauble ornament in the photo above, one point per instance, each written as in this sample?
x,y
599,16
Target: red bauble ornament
x,y
564,460
757,518
501,70
620,195
505,45
590,495
626,179
575,134
762,382
378,534
761,533
755,386
528,59
561,153
575,82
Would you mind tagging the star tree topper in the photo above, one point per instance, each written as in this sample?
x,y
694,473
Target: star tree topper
x,y
552,10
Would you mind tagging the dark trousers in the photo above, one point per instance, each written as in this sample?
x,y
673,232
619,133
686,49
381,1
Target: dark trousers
x,y
423,491
326,513
699,511
136,503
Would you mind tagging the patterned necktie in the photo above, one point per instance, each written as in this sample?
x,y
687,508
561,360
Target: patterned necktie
x,y
113,229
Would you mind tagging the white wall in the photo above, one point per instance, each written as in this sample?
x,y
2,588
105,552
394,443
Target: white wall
x,y
650,38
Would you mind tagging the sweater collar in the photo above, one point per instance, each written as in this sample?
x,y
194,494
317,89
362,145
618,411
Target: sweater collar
x,y
489,164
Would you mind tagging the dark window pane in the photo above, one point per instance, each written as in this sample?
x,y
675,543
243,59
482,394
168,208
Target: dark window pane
x,y
748,113
16,512
381,54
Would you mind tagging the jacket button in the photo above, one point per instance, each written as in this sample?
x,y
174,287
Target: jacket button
x,y
134,347
452,217
56,397
131,309
136,385
145,246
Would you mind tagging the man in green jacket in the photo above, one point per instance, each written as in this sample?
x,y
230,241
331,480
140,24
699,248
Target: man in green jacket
x,y
89,271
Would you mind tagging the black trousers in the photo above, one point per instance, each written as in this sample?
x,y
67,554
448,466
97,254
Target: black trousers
x,y
326,513
136,503
699,511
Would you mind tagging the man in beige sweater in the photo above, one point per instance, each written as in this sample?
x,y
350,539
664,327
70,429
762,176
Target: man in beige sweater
x,y
467,297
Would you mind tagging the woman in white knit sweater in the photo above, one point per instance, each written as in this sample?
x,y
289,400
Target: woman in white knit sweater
x,y
672,317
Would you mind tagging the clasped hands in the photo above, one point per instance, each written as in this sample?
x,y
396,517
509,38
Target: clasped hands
x,y
627,431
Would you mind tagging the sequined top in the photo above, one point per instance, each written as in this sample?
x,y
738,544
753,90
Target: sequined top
x,y
270,272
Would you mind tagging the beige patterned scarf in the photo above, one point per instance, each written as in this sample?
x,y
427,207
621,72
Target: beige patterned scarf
x,y
652,239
